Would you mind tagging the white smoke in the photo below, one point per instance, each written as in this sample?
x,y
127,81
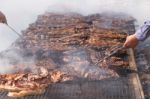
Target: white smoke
x,y
20,13
14,60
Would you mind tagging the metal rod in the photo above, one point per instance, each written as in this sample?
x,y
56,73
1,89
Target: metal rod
x,y
18,34
15,31
111,54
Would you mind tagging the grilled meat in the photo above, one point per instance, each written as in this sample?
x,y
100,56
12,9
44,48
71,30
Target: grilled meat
x,y
71,42
20,85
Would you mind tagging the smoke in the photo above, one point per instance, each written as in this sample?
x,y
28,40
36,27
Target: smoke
x,y
15,60
78,64
20,13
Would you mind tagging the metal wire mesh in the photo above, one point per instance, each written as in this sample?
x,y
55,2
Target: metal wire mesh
x,y
120,88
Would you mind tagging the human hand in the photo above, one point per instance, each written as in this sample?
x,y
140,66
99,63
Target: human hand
x,y
2,18
131,41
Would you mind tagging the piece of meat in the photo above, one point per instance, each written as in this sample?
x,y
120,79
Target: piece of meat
x,y
95,41
26,93
19,85
25,84
116,61
120,63
56,76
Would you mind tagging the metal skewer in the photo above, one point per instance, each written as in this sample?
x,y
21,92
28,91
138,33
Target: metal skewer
x,y
18,34
15,31
111,54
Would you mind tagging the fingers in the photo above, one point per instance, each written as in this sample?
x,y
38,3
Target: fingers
x,y
131,42
3,18
3,21
126,45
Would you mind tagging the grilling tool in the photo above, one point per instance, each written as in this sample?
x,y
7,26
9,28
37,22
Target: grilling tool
x,y
17,33
111,54
14,31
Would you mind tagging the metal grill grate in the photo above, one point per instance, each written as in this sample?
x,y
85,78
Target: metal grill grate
x,y
120,88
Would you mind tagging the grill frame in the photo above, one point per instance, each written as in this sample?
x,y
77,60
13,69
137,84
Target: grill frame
x,y
118,88
131,82
134,76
